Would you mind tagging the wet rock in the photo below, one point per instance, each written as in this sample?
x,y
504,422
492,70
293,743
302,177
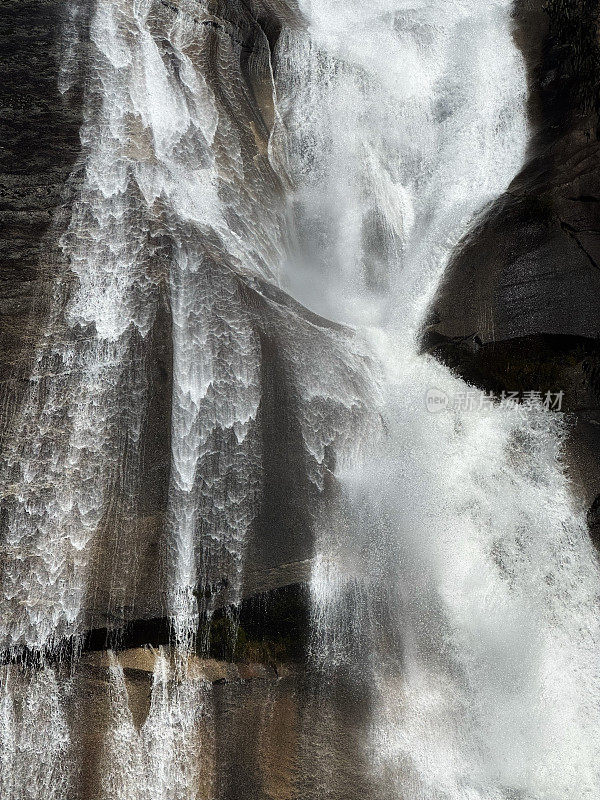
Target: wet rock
x,y
525,282
39,129
248,731
594,520
530,267
45,54
270,627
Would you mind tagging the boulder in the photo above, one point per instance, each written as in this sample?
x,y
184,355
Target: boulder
x,y
517,308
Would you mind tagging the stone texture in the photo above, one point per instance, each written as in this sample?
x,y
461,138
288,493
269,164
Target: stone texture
x,y
39,130
39,171
531,267
257,732
518,306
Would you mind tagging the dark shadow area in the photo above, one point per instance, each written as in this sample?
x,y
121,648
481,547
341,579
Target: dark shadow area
x,y
270,628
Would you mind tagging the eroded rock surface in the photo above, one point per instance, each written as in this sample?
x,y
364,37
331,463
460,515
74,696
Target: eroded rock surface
x,y
116,722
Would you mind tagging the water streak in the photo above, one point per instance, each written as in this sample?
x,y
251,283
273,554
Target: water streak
x,y
170,756
454,587
454,574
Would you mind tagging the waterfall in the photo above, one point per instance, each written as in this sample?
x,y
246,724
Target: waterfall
x,y
454,578
160,211
164,759
35,741
454,588
155,209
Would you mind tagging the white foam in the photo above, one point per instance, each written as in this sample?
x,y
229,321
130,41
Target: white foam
x,y
455,570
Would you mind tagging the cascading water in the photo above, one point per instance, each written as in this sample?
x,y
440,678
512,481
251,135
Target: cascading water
x,y
34,736
454,588
455,574
154,207
170,755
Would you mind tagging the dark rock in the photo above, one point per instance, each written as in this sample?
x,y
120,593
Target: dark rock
x,y
551,363
39,130
531,267
594,520
525,281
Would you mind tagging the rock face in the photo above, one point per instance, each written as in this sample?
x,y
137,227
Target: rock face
x,y
45,59
40,145
531,267
70,403
518,307
251,727
518,310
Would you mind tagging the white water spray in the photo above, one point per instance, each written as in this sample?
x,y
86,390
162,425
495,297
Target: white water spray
x,y
452,573
455,570
35,756
170,756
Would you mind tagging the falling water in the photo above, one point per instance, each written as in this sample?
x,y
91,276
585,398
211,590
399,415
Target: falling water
x,y
160,210
166,757
34,736
454,587
155,207
455,574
